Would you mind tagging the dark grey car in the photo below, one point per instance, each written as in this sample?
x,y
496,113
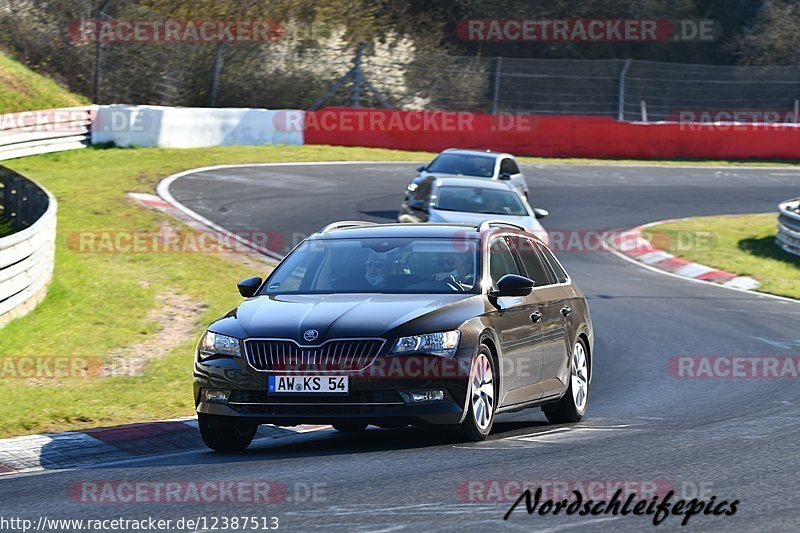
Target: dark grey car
x,y
394,325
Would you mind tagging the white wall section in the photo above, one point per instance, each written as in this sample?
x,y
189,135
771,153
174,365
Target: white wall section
x,y
196,127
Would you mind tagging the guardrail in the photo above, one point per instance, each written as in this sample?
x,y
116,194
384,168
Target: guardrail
x,y
40,132
27,254
789,226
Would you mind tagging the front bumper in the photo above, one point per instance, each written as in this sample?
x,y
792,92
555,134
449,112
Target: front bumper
x,y
442,413
374,397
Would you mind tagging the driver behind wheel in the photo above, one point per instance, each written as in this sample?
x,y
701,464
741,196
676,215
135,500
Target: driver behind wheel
x,y
453,268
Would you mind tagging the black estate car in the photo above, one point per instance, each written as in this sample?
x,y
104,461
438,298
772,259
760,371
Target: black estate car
x,y
396,325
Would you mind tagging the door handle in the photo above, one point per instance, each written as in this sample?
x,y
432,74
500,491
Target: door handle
x,y
566,310
536,317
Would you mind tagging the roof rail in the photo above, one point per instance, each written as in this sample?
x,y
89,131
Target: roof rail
x,y
346,224
486,224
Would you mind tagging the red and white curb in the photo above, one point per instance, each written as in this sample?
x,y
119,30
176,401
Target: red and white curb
x,y
634,245
90,447
198,223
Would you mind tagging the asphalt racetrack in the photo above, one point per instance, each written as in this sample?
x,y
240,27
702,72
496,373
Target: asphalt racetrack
x,y
736,439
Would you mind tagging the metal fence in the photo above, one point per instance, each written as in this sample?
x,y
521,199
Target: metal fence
x,y
290,75
625,89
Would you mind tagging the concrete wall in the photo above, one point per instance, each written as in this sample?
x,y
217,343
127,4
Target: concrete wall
x,y
195,127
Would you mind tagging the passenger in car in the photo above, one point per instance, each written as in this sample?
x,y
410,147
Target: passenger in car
x,y
376,270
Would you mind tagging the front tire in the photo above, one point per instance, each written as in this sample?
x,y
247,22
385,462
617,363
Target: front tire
x,y
572,405
225,435
481,397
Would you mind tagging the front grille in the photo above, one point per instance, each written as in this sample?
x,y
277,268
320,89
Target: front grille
x,y
332,356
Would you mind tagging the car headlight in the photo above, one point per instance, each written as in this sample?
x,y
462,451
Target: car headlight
x,y
216,344
443,344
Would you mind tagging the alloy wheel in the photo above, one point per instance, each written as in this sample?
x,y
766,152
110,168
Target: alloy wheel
x,y
580,376
482,391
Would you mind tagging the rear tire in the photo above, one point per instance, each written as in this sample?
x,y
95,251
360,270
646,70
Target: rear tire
x,y
572,406
225,435
349,428
481,397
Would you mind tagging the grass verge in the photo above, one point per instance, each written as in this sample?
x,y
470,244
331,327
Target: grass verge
x,y
21,89
743,244
98,303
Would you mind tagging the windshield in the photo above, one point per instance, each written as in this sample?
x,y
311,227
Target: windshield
x,y
479,200
464,165
378,265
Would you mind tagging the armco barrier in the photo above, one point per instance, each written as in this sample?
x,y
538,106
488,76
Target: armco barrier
x,y
187,127
550,136
40,132
27,254
789,226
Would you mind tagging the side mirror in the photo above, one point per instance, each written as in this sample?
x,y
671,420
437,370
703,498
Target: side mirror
x,y
540,213
420,168
505,176
248,287
513,285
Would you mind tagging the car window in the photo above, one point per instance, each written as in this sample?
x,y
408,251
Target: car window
x,y
531,258
480,200
378,265
509,166
560,274
463,164
501,261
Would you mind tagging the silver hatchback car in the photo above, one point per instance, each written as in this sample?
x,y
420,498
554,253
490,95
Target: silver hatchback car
x,y
477,164
469,201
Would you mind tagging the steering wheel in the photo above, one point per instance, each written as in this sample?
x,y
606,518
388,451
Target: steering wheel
x,y
453,283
